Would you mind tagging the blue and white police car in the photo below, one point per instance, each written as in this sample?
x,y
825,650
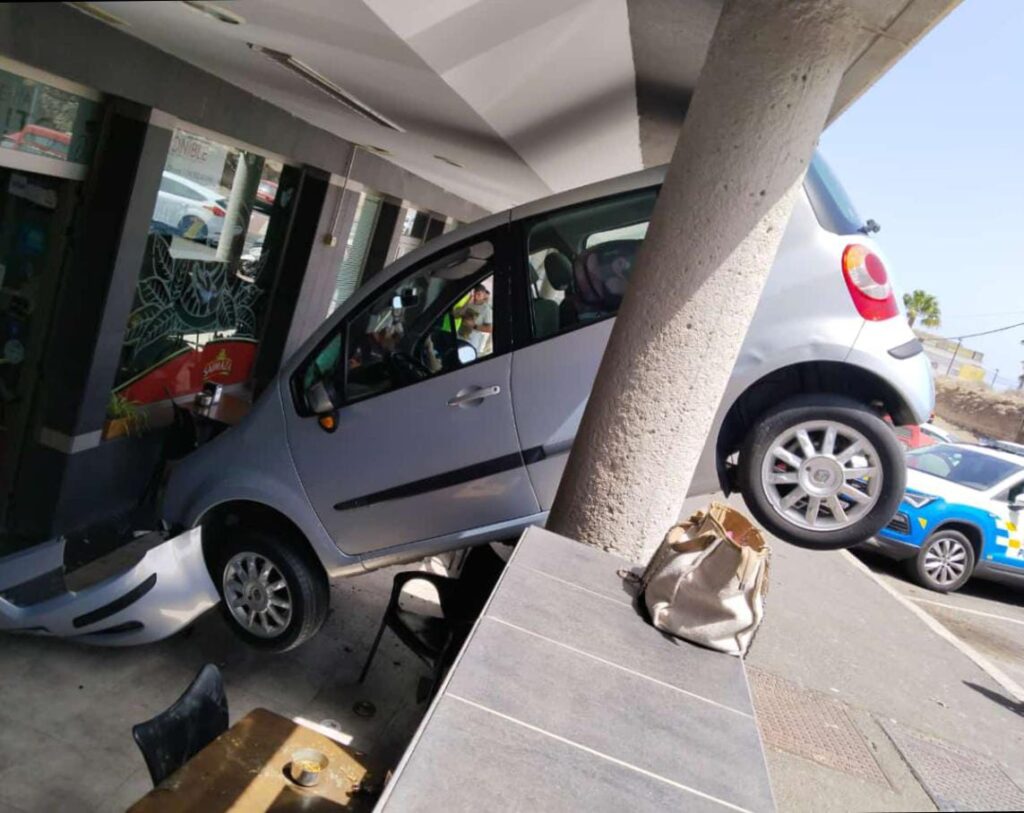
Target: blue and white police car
x,y
961,516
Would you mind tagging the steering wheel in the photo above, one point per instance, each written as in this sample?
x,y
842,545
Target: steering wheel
x,y
407,367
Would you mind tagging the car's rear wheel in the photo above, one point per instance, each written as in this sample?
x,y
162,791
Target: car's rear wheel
x,y
273,595
821,472
944,563
193,228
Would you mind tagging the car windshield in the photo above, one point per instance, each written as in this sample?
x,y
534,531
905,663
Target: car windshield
x,y
961,465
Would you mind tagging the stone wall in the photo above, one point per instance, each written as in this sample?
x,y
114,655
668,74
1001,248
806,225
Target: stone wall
x,y
980,410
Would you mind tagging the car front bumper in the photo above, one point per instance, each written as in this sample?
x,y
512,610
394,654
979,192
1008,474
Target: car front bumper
x,y
154,598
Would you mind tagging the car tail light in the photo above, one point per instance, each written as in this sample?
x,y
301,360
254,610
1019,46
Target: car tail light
x,y
868,282
217,211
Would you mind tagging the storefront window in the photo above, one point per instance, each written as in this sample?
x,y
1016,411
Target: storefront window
x,y
204,283
411,237
359,236
43,120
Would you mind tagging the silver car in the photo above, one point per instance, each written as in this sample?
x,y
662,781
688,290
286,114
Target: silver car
x,y
436,408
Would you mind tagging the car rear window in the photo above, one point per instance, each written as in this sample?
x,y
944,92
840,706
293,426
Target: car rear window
x,y
832,206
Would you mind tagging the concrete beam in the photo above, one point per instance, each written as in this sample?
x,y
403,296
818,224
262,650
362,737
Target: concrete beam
x,y
763,97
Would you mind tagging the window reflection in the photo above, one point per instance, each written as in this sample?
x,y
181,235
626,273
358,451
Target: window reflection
x,y
43,120
204,282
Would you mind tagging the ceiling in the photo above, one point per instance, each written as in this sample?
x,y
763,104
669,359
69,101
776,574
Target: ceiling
x,y
527,97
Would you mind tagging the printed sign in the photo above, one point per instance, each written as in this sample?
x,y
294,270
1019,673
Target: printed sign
x,y
226,361
197,158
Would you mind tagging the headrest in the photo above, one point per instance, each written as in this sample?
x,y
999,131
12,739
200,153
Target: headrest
x,y
601,273
558,270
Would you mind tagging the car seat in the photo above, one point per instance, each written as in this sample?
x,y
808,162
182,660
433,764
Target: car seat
x,y
558,270
545,311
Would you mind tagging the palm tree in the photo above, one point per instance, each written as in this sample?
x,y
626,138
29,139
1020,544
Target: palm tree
x,y
923,304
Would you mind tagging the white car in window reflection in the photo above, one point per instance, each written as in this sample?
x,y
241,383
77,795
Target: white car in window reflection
x,y
188,209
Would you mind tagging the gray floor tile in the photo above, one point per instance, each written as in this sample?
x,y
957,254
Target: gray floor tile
x,y
573,562
76,778
618,713
470,760
137,785
616,633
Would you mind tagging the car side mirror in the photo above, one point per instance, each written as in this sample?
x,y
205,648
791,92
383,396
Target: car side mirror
x,y
319,398
1017,503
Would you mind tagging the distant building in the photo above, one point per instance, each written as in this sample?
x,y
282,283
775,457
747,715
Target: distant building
x,y
966,363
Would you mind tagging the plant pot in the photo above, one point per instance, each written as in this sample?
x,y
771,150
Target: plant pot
x,y
116,427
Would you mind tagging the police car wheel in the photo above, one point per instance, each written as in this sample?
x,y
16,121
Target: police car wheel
x,y
944,563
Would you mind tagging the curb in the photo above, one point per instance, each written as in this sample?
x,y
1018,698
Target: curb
x,y
989,668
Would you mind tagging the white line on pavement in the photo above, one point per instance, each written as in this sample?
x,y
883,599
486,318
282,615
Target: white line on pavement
x,y
993,671
966,610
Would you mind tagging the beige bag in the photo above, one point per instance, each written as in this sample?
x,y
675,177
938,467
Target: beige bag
x,y
708,579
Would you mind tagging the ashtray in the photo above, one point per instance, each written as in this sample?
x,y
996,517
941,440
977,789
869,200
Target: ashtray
x,y
306,766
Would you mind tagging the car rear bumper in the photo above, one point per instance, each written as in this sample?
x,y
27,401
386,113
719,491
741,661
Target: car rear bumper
x,y
887,349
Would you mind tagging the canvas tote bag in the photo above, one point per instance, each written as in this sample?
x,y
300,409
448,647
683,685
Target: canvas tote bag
x,y
707,581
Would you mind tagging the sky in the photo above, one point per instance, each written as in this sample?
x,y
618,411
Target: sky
x,y
934,152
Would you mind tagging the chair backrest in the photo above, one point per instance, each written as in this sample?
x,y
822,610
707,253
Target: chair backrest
x,y
174,736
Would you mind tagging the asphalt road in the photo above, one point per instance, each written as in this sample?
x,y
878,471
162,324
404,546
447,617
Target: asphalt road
x,y
986,616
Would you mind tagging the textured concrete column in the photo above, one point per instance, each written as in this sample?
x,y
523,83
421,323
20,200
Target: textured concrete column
x,y
762,99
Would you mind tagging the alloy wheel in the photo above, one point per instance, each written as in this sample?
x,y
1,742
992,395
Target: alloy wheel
x,y
257,594
945,561
822,475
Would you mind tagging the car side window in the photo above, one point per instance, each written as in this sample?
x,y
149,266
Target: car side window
x,y
580,260
436,319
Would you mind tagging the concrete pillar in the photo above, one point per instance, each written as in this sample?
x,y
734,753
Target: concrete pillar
x,y
770,77
325,259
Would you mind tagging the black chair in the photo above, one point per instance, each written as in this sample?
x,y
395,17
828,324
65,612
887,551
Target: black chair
x,y
435,640
174,736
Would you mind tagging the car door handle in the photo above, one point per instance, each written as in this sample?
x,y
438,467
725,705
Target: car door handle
x,y
472,395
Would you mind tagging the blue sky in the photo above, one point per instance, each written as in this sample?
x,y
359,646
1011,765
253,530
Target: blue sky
x,y
935,153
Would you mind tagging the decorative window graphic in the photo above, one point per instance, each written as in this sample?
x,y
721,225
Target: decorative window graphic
x,y
205,282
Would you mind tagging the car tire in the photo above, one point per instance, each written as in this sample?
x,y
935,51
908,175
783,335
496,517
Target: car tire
x,y
274,595
944,563
849,509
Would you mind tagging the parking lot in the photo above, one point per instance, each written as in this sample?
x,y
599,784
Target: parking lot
x,y
986,616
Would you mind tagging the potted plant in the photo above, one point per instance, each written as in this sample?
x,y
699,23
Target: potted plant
x,y
123,418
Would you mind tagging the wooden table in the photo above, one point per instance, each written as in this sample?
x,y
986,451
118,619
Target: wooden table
x,y
245,769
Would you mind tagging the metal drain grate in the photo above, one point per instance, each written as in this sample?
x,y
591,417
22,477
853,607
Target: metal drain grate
x,y
954,778
811,725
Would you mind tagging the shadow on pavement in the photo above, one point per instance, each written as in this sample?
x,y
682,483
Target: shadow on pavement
x,y
997,698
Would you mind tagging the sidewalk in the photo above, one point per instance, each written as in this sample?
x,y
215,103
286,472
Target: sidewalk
x,y
840,643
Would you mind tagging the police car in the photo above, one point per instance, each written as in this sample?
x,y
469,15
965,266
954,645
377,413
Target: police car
x,y
960,516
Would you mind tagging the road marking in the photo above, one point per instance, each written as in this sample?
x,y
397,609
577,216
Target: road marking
x,y
993,671
596,753
966,610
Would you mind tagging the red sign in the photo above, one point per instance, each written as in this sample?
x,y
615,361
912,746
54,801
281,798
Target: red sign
x,y
226,361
